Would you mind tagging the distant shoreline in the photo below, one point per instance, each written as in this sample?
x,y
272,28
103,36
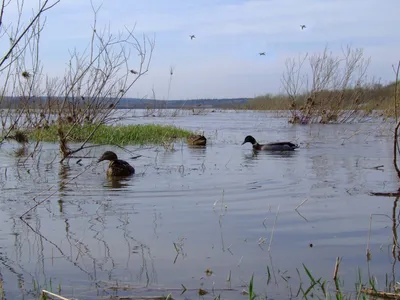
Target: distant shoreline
x,y
132,103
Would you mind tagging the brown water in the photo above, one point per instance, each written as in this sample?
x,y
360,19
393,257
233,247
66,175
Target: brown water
x,y
218,205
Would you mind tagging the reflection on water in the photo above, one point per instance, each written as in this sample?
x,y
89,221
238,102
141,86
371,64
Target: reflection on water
x,y
192,209
275,153
21,151
118,183
197,150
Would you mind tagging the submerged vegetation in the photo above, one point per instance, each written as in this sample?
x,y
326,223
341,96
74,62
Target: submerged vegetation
x,y
113,135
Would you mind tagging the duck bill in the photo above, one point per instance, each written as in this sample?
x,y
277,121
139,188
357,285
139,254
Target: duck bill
x,y
243,143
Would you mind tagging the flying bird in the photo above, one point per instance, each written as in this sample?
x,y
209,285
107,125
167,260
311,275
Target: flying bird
x,y
262,53
302,27
192,36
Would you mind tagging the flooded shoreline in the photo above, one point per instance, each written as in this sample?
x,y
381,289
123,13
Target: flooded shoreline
x,y
191,210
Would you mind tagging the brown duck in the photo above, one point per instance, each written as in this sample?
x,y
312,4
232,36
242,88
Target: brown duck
x,y
197,140
117,167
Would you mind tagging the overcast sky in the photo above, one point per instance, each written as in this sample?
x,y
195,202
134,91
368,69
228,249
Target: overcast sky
x,y
223,59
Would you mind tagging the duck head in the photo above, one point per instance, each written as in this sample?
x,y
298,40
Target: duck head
x,y
108,155
249,139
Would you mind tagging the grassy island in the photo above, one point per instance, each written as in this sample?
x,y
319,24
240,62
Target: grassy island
x,y
113,135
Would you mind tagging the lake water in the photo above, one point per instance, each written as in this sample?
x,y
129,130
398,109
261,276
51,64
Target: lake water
x,y
191,209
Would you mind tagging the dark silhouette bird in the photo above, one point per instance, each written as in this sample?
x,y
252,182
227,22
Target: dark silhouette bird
x,y
192,36
262,53
302,27
117,167
279,146
19,137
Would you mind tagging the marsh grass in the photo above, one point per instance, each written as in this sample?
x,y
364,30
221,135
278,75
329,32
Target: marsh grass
x,y
308,287
311,287
269,102
252,295
376,97
114,135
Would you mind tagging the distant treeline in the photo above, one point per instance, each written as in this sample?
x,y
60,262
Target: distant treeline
x,y
376,96
128,103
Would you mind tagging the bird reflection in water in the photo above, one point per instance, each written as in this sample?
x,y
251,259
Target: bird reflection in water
x,y
117,182
256,155
21,152
197,150
274,153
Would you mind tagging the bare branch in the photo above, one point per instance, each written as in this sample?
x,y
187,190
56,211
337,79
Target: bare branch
x,y
44,7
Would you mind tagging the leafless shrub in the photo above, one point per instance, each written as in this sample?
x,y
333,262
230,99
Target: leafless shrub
x,y
20,69
396,70
199,110
94,82
331,90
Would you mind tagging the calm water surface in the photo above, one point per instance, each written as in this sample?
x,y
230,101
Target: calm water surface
x,y
189,210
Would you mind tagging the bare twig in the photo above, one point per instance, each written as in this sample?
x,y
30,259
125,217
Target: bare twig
x,y
273,230
385,194
42,9
396,129
304,201
47,293
396,71
380,294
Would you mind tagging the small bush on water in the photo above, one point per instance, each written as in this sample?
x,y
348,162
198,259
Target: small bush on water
x,y
332,88
114,135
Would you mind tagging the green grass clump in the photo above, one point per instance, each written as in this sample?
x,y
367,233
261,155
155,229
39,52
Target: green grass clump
x,y
113,135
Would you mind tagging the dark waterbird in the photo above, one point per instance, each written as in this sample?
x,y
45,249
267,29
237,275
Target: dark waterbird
x,y
19,137
197,140
302,27
192,36
278,146
117,167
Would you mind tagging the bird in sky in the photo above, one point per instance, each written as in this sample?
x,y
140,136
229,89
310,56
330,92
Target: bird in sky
x,y
302,27
262,53
192,36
